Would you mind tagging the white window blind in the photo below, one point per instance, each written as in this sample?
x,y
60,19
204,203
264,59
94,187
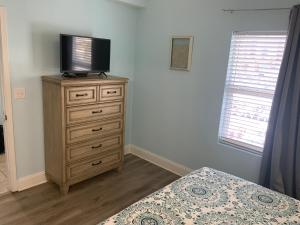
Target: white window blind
x,y
253,68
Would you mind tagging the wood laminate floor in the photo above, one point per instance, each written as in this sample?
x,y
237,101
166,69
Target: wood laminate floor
x,y
89,202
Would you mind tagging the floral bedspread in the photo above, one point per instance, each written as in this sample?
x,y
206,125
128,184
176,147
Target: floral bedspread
x,y
208,196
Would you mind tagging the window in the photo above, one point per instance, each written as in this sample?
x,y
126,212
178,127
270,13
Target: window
x,y
253,68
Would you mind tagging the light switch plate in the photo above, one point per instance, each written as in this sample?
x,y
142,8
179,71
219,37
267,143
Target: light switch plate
x,y
19,93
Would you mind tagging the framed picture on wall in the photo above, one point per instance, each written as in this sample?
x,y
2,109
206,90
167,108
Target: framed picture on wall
x,y
181,52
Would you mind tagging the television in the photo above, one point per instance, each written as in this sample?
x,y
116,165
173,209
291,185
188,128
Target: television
x,y
82,55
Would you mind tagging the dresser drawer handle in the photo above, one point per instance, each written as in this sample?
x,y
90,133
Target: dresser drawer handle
x,y
97,112
112,92
97,163
99,146
81,95
95,130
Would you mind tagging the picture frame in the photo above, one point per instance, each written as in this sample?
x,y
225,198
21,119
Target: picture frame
x,y
181,53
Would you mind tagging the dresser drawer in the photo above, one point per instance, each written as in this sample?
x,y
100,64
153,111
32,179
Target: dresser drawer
x,y
93,147
80,95
94,130
91,167
94,112
111,92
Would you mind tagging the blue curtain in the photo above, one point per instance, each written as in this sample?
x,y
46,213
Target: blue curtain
x,y
280,169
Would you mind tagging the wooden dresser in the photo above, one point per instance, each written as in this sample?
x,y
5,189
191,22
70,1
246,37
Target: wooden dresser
x,y
83,127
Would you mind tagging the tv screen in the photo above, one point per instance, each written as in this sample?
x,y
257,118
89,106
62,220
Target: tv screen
x,y
82,55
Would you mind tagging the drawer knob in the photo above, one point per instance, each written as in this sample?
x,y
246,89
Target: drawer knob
x,y
112,92
81,95
98,146
96,163
97,112
95,130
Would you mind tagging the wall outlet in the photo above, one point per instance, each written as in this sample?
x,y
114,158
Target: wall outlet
x,y
19,93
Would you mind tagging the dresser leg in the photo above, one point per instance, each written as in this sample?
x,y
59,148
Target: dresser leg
x,y
120,168
64,189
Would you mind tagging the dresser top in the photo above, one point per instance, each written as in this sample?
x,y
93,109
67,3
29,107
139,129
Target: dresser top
x,y
90,79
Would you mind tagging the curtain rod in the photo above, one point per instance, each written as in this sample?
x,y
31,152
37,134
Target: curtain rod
x,y
245,10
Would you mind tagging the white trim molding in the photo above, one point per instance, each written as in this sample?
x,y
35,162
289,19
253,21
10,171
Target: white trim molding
x,y
160,161
6,97
31,181
127,149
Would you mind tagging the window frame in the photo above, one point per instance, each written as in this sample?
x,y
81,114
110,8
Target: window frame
x,y
236,144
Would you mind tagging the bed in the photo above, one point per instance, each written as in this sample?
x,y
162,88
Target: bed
x,y
208,196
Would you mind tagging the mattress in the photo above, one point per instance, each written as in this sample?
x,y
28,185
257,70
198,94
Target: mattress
x,y
208,196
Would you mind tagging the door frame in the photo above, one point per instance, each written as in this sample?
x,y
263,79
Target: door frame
x,y
7,104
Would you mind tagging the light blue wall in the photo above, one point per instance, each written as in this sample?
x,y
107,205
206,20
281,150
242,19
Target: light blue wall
x,y
33,29
176,114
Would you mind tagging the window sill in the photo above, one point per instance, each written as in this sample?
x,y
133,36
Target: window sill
x,y
240,148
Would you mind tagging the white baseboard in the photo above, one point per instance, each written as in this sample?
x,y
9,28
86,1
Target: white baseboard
x,y
31,181
127,149
157,160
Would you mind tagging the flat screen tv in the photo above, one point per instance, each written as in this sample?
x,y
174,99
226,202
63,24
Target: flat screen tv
x,y
83,55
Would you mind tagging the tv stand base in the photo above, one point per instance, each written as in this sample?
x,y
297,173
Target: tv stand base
x,y
68,75
102,74
77,75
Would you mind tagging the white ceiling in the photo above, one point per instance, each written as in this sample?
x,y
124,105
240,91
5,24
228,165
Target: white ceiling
x,y
136,3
